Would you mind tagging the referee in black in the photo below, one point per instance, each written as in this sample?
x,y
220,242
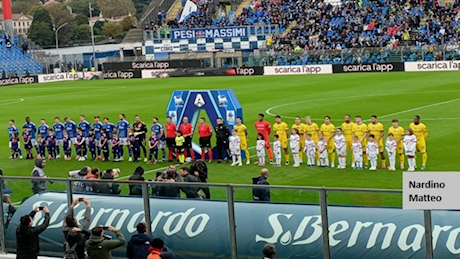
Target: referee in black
x,y
222,134
140,129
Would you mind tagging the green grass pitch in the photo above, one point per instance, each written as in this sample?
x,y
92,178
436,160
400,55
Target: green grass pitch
x,y
434,96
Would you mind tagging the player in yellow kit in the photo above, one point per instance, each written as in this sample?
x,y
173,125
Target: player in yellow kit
x,y
360,130
347,129
328,130
281,129
312,129
421,132
398,133
301,128
376,128
242,132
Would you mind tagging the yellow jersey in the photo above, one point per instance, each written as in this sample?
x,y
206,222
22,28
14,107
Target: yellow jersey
x,y
347,129
359,130
327,130
180,140
420,131
301,128
397,132
280,129
312,129
375,129
241,131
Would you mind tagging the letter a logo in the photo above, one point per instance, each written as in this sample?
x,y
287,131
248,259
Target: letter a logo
x,y
199,101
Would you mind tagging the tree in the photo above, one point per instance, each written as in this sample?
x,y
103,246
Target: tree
x,y
116,8
34,9
21,7
41,33
60,15
127,23
82,33
82,7
112,29
41,29
81,19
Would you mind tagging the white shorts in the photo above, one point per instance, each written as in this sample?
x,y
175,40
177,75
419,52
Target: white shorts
x,y
261,153
311,153
73,140
33,142
411,153
161,145
294,150
59,142
124,141
323,155
372,156
235,151
342,151
97,142
358,157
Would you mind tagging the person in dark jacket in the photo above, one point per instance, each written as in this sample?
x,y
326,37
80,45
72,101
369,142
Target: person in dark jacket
x,y
222,134
99,247
200,170
260,194
171,191
27,243
78,186
138,246
136,189
190,191
38,185
74,232
109,187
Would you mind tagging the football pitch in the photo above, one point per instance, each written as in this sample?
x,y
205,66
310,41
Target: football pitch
x,y
435,96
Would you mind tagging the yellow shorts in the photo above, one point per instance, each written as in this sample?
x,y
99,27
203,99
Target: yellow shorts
x,y
244,145
364,144
421,146
400,147
349,143
284,143
381,147
330,146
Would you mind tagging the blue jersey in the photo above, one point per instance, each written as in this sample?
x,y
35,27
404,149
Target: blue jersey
x,y
43,130
58,128
85,126
71,129
32,129
11,130
157,129
123,127
109,127
97,130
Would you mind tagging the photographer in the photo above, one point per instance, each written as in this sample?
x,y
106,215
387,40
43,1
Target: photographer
x,y
171,191
261,194
93,175
27,242
78,186
190,191
136,189
75,233
109,187
200,170
99,247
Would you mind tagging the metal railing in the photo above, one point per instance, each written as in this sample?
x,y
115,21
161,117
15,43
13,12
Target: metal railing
x,y
230,189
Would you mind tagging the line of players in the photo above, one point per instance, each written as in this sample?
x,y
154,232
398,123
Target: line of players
x,y
364,141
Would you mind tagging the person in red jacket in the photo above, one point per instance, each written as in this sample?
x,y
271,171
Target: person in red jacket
x,y
263,127
156,248
205,133
187,132
170,136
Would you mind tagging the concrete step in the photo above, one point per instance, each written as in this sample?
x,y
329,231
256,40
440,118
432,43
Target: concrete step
x,y
243,4
288,29
134,35
174,10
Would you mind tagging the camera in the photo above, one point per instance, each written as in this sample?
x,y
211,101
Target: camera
x,y
41,208
105,228
81,199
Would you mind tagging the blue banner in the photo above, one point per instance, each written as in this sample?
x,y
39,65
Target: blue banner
x,y
199,229
210,33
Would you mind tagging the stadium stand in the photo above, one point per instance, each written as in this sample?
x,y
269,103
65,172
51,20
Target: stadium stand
x,y
14,61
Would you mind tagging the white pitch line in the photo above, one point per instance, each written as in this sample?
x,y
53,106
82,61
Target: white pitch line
x,y
359,96
12,102
67,93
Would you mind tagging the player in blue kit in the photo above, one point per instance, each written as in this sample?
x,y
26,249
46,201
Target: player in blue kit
x,y
51,145
97,127
43,129
71,129
85,126
58,128
123,128
160,134
109,127
32,130
13,129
